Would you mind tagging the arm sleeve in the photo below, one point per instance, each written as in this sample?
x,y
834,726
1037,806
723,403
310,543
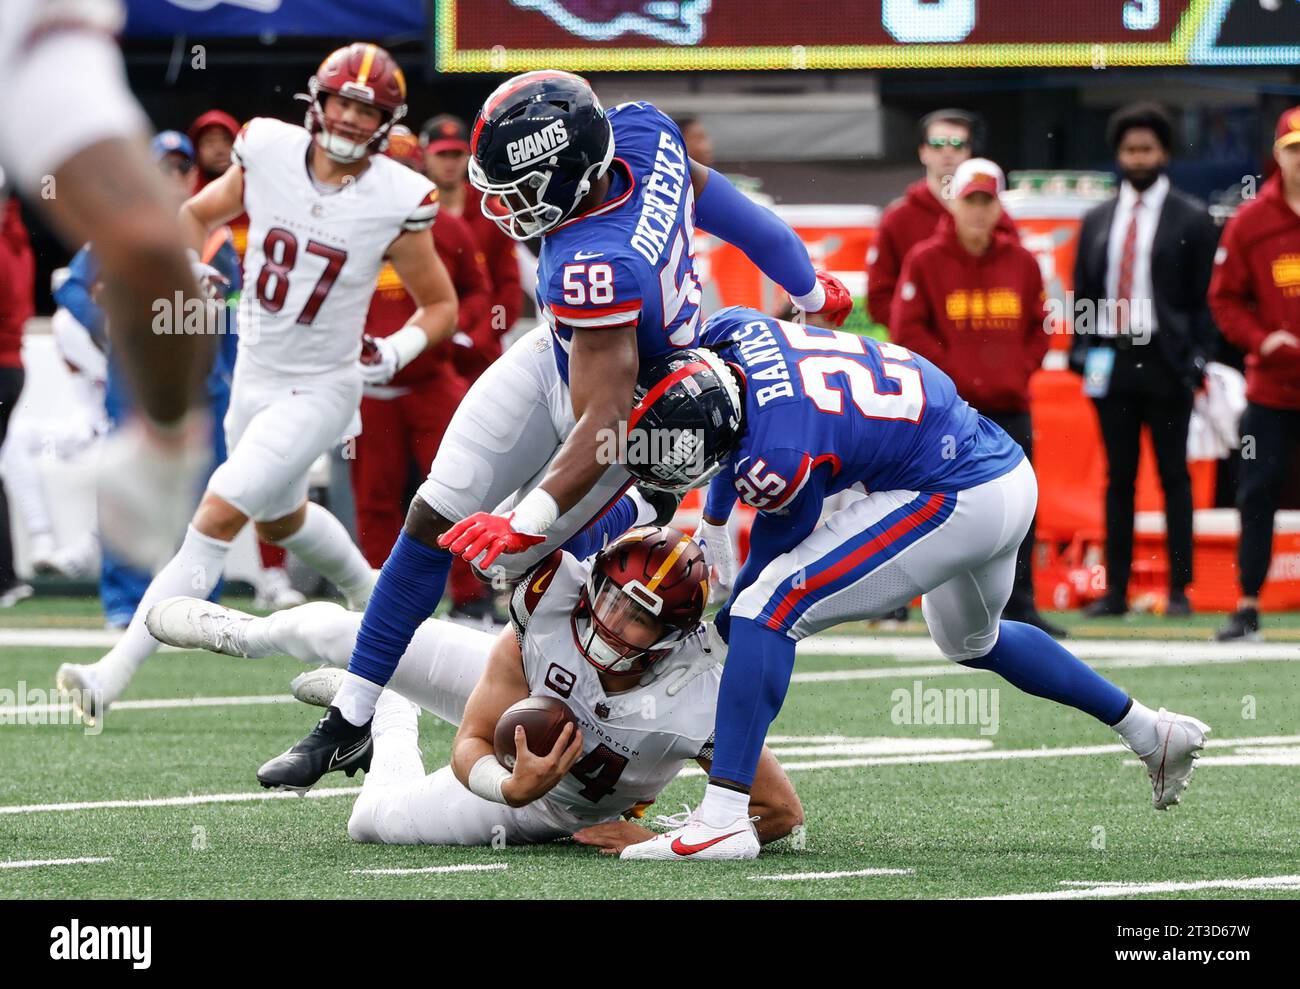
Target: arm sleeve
x,y
74,294
721,496
1037,341
766,239
882,274
912,320
422,217
1231,295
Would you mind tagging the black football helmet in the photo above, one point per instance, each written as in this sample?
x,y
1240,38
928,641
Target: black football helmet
x,y
687,417
538,144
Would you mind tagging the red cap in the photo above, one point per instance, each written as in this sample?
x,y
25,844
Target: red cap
x,y
213,118
1288,128
445,133
977,175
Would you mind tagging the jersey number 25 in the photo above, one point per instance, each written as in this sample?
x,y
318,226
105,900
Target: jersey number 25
x,y
835,354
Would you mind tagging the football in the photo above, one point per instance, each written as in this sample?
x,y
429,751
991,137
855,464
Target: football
x,y
543,718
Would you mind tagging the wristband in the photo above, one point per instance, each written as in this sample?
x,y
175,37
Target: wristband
x,y
814,301
486,777
535,514
408,343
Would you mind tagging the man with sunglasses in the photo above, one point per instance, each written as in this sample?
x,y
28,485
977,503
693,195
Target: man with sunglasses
x,y
945,139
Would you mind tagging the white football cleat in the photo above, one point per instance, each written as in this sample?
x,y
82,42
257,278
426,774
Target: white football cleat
x,y
692,840
84,691
318,687
275,593
1179,742
193,623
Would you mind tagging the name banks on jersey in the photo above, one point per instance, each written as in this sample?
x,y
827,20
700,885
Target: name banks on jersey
x,y
878,414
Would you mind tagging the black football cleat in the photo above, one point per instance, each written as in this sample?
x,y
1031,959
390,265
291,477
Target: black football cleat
x,y
334,745
1242,626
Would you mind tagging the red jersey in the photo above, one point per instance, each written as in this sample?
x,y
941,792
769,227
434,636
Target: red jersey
x,y
391,306
17,283
982,319
905,223
1255,289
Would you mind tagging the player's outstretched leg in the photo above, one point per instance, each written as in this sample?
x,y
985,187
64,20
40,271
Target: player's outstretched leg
x,y
195,569
1168,744
408,590
316,632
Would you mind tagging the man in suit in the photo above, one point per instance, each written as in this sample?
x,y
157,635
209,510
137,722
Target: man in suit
x,y
1142,331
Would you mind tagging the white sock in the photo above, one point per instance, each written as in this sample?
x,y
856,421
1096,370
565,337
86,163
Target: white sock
x,y
396,731
356,699
193,572
721,806
324,545
316,632
1138,728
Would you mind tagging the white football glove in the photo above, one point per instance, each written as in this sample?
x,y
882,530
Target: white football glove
x,y
720,555
148,485
380,362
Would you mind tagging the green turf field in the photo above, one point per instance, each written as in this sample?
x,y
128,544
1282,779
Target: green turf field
x,y
1028,808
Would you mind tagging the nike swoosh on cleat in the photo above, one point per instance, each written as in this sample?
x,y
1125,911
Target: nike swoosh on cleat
x,y
338,759
681,848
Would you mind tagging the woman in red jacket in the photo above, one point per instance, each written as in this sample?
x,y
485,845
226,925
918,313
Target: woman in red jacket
x,y
1255,299
970,299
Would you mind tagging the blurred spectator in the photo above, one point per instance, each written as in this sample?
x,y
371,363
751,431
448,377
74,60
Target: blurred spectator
x,y
971,300
17,304
1142,334
1255,298
213,134
446,163
945,140
403,421
699,145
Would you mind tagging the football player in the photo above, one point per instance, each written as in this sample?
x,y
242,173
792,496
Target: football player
x,y
325,212
618,639
943,498
524,464
72,140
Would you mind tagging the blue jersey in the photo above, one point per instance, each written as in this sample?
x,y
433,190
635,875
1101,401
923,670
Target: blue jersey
x,y
875,413
630,260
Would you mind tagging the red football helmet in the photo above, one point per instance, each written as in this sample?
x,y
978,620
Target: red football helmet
x,y
645,594
365,73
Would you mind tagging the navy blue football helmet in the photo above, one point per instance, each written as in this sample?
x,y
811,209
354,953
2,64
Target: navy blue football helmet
x,y
539,143
687,418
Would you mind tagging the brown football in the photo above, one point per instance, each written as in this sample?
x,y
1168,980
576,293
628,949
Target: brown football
x,y
543,719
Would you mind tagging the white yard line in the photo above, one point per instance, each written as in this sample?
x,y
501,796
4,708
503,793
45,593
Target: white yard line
x,y
496,867
189,801
800,876
1145,889
163,703
34,863
977,755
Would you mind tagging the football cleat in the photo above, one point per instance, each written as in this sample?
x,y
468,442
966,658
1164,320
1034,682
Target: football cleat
x,y
691,840
318,687
275,593
193,623
84,691
1170,764
334,745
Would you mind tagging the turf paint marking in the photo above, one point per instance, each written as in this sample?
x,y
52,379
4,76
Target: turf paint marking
x,y
497,867
1108,890
903,751
34,863
801,876
158,704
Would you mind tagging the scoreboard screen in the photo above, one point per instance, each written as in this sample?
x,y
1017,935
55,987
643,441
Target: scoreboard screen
x,y
613,35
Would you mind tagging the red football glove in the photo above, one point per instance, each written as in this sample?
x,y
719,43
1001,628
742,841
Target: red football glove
x,y
838,301
481,531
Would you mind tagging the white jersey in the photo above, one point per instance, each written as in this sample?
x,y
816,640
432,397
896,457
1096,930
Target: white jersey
x,y
314,253
633,742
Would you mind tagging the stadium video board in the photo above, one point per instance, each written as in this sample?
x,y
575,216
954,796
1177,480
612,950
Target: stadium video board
x,y
613,35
